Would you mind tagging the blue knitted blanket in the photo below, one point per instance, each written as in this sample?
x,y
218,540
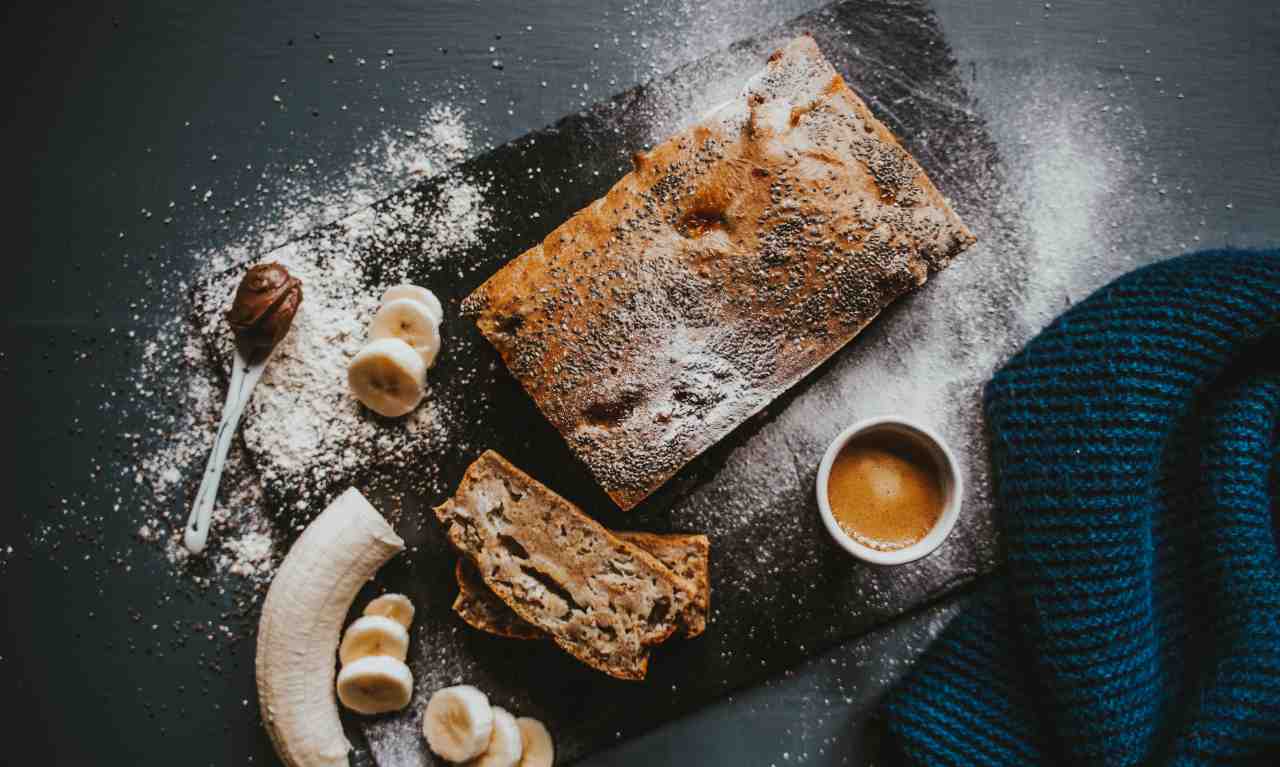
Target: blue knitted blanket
x,y
1136,619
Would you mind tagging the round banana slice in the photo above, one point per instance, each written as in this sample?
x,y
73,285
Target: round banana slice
x,y
505,746
374,635
538,748
411,322
457,723
387,375
397,607
421,295
375,685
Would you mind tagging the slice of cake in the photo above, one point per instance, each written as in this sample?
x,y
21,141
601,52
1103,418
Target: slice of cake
x,y
687,555
601,599
736,257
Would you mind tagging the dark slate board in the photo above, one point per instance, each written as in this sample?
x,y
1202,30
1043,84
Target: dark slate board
x,y
781,589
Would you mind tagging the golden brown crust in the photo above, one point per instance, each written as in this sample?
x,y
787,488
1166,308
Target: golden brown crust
x,y
735,258
688,556
599,598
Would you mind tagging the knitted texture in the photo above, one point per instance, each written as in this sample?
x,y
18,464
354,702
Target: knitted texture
x,y
1136,619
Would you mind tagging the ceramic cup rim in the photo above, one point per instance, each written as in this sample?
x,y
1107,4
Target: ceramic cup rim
x,y
953,490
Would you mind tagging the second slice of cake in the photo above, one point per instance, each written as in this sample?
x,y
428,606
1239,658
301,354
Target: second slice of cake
x,y
601,599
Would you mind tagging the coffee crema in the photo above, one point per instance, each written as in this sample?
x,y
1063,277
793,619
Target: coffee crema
x,y
885,491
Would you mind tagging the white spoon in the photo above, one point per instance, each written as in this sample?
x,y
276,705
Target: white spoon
x,y
244,376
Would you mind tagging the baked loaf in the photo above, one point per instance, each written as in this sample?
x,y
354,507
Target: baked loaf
x,y
601,599
735,258
687,555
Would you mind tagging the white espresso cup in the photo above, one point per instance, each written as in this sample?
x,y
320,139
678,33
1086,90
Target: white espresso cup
x,y
948,475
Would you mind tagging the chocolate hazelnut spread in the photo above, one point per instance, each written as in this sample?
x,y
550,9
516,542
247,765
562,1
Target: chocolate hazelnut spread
x,y
885,491
263,308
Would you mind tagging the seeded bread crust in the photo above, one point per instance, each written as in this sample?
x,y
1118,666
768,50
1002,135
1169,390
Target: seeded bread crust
x,y
601,599
736,257
688,556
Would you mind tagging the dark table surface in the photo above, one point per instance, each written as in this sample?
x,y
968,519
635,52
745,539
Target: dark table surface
x,y
1131,131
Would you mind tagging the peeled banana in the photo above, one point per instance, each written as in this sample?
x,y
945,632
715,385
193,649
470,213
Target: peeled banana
x,y
301,620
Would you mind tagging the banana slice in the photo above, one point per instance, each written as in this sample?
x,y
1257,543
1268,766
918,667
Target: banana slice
x,y
538,748
375,684
411,322
397,607
421,295
457,723
505,746
388,376
374,635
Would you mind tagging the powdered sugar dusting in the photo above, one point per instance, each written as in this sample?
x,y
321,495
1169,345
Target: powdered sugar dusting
x,y
301,426
251,555
302,414
719,24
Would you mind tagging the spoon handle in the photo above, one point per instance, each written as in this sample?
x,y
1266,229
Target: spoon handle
x,y
244,376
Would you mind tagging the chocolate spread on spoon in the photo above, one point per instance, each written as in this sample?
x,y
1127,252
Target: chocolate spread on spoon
x,y
263,309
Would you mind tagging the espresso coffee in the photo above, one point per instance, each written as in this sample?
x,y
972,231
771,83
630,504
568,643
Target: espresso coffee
x,y
885,490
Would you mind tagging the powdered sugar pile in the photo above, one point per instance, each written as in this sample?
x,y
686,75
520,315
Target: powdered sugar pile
x,y
251,555
302,427
301,415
